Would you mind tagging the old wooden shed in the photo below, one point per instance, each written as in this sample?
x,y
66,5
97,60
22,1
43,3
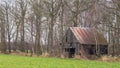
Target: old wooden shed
x,y
84,42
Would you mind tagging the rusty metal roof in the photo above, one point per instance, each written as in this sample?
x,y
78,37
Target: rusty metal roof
x,y
88,36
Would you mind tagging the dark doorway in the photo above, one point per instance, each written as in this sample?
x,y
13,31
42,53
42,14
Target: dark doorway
x,y
71,52
91,51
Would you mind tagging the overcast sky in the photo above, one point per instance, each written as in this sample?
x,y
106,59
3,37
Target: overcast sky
x,y
6,1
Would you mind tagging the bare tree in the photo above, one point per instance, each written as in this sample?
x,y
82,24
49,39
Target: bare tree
x,y
2,27
8,24
52,7
22,8
37,8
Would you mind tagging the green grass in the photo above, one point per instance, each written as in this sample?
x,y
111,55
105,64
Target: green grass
x,y
11,61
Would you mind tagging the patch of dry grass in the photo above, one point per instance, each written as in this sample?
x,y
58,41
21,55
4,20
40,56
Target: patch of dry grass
x,y
110,59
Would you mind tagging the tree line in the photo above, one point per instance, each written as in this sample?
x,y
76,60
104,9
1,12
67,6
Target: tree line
x,y
38,26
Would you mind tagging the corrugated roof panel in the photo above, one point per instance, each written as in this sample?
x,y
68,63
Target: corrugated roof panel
x,y
88,36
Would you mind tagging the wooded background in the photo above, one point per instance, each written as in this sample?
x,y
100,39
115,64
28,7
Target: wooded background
x,y
38,26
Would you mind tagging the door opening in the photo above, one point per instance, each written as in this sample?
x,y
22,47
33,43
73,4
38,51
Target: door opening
x,y
71,52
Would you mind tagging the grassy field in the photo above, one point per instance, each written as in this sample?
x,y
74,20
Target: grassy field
x,y
11,61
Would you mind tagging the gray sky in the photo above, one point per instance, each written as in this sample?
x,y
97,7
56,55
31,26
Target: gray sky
x,y
5,0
